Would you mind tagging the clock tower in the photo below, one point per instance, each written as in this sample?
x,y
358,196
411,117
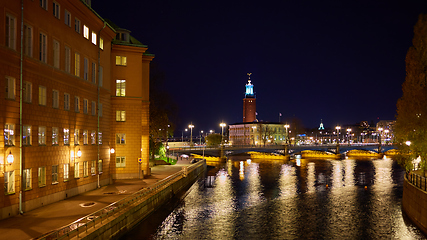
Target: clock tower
x,y
249,102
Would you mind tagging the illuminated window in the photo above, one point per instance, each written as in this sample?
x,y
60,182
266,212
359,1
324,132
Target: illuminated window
x,y
27,178
120,116
121,88
54,174
100,138
93,37
101,43
93,167
120,162
76,136
55,136
66,172
9,134
42,95
42,135
77,64
66,136
85,137
42,176
85,169
10,87
85,32
120,138
93,137
9,182
76,170
100,166
56,10
121,61
26,137
10,31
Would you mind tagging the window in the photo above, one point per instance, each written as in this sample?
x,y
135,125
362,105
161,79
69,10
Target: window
x,y
76,170
100,166
120,116
121,88
93,137
10,87
54,174
66,101
100,138
85,169
76,104
67,18
85,32
10,31
66,172
101,76
93,109
77,64
9,182
27,92
76,136
28,40
66,136
93,37
43,4
55,98
85,106
67,60
27,178
93,72
77,25
100,110
42,95
86,69
9,134
55,136
26,135
120,60
42,176
101,43
42,135
85,137
55,53
56,10
120,138
120,162
43,48
93,167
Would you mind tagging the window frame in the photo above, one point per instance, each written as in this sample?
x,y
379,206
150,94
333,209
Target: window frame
x,y
42,176
28,40
9,134
55,136
55,99
122,161
42,95
42,135
66,172
10,87
67,101
120,138
120,115
67,18
27,94
76,104
120,87
10,31
26,133
27,183
121,60
77,64
43,47
56,53
55,171
9,182
56,10
76,169
66,138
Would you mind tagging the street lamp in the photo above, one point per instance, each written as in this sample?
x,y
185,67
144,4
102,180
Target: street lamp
x,y
338,128
201,134
191,126
287,133
222,125
348,135
379,135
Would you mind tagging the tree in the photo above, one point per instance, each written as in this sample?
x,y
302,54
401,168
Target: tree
x,y
213,139
411,121
266,133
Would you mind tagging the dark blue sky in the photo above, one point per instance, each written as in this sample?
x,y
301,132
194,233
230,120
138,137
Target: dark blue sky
x,y
340,61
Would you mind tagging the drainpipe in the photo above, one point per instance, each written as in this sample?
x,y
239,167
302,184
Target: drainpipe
x,y
20,108
98,92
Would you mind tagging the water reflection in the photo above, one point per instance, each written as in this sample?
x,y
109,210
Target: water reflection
x,y
319,199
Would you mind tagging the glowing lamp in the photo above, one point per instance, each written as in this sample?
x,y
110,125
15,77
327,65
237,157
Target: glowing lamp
x,y
112,150
79,153
10,158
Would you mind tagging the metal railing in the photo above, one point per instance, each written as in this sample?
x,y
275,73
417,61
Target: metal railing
x,y
417,180
96,218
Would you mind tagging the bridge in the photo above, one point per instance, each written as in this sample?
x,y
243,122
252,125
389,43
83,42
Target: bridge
x,y
280,149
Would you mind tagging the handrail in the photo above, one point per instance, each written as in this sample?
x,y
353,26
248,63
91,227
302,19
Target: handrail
x,y
417,180
90,220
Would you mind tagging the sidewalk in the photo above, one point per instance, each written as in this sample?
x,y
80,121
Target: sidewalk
x,y
41,220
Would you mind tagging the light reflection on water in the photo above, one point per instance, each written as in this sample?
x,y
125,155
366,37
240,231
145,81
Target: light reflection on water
x,y
320,199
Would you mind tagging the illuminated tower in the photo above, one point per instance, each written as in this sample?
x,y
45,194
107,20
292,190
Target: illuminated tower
x,y
249,102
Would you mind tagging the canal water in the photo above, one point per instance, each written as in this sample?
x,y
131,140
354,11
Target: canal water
x,y
273,199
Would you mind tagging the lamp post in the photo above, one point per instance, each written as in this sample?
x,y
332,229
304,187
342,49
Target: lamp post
x,y
338,128
286,139
348,135
253,133
201,134
222,125
191,126
379,139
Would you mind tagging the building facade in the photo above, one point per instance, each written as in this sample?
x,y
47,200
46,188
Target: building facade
x,y
74,103
249,102
257,134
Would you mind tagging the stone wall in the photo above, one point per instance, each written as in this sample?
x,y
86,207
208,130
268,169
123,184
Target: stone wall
x,y
414,204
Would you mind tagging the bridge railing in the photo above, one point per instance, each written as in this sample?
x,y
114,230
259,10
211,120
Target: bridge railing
x,y
417,180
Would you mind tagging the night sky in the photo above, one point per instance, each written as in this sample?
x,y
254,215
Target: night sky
x,y
340,61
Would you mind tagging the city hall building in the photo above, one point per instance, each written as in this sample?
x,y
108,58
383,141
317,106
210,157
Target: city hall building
x,y
74,104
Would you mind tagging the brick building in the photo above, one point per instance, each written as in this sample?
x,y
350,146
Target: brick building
x,y
73,105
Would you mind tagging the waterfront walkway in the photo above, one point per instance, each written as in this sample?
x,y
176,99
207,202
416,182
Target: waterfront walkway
x,y
45,219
